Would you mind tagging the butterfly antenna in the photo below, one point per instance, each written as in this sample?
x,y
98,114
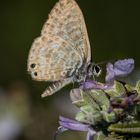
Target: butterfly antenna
x,y
105,62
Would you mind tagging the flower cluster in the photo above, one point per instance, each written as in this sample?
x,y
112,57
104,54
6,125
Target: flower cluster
x,y
107,111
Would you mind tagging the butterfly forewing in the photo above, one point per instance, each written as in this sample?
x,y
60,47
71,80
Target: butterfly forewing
x,y
66,20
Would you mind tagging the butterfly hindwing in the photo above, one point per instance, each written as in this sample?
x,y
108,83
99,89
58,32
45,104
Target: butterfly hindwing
x,y
54,59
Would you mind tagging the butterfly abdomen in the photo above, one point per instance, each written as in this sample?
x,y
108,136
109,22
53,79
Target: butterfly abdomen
x,y
56,86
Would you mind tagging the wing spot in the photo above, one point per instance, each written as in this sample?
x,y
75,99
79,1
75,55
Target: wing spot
x,y
32,65
37,44
63,73
35,73
44,38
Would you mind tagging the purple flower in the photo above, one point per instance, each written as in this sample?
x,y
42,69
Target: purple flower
x,y
91,84
120,68
68,124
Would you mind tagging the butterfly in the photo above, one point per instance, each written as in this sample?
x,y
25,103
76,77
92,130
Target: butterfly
x,y
62,53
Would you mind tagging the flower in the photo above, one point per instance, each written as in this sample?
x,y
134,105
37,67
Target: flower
x,y
70,124
106,108
92,84
120,68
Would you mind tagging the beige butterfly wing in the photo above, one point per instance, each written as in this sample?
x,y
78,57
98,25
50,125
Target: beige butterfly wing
x,y
67,21
62,47
65,29
51,59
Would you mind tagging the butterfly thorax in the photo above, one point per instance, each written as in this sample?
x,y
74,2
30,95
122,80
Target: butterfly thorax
x,y
86,72
82,73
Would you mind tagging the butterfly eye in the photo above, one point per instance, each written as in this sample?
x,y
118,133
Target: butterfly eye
x,y
35,73
96,70
33,65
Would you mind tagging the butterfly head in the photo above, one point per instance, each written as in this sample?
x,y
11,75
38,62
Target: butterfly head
x,y
94,70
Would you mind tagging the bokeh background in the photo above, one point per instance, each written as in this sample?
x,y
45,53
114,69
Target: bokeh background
x,y
114,33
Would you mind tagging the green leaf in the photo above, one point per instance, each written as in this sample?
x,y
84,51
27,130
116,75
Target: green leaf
x,y
118,90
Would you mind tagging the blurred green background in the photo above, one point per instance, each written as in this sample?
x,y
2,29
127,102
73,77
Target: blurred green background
x,y
114,33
